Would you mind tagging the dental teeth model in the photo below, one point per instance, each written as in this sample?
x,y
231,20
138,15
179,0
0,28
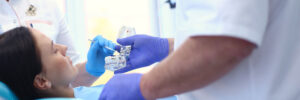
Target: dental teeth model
x,y
114,63
117,62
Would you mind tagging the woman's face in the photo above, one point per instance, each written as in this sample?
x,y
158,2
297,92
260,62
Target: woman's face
x,y
57,67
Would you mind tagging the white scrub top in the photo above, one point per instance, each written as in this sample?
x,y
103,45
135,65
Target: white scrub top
x,y
48,20
272,71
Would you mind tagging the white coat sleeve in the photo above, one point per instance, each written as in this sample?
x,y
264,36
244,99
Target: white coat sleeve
x,y
64,37
244,19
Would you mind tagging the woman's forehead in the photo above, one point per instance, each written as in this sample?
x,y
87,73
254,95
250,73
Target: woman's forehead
x,y
41,39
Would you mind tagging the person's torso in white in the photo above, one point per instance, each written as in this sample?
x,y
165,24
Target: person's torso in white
x,y
271,71
47,19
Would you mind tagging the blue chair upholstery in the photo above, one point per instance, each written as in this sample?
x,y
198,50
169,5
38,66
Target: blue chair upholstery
x,y
59,99
6,93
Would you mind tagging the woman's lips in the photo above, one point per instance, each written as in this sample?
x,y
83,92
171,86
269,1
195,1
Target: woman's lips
x,y
70,61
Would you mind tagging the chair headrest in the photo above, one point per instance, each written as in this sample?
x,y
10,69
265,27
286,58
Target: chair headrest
x,y
6,93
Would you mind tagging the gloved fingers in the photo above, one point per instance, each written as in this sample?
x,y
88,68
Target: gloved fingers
x,y
102,43
94,47
97,38
103,95
139,62
107,89
118,48
139,58
127,41
123,70
91,44
107,46
93,41
111,45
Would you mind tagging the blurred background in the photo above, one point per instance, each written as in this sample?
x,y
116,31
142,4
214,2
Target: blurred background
x,y
89,18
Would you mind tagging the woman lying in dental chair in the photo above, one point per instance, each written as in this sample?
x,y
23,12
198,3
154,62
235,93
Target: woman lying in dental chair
x,y
34,67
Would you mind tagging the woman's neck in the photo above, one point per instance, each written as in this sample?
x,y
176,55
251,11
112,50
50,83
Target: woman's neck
x,y
59,92
64,92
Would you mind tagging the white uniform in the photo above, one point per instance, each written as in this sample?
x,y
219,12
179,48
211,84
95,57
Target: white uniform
x,y
272,71
48,20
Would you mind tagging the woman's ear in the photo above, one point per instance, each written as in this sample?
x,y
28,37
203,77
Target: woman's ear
x,y
40,82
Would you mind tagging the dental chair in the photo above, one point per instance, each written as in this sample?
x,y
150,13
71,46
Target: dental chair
x,y
7,94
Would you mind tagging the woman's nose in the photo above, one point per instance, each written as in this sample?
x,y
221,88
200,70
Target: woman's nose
x,y
63,49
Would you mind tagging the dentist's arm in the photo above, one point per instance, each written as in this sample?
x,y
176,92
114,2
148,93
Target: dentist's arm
x,y
171,45
83,77
197,63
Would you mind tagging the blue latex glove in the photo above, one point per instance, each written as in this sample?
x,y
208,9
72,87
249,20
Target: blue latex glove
x,y
97,53
145,50
123,87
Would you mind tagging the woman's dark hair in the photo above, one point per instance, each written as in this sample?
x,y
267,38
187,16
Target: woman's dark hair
x,y
20,62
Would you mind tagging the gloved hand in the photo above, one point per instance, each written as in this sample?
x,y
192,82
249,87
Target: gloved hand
x,y
145,50
97,53
123,87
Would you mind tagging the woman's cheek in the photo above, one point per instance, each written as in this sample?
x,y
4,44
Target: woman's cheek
x,y
64,71
60,65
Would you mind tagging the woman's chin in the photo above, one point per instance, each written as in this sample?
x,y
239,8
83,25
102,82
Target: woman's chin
x,y
76,71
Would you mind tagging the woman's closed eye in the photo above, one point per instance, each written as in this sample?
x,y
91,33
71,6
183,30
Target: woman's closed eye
x,y
54,48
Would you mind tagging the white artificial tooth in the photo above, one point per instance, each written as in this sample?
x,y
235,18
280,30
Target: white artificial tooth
x,y
117,62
